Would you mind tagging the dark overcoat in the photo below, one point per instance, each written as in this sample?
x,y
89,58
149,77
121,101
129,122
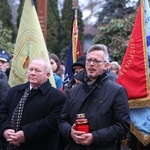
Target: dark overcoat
x,y
40,116
4,87
105,105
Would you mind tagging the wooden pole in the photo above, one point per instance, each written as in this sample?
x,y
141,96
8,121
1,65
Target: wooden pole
x,y
42,15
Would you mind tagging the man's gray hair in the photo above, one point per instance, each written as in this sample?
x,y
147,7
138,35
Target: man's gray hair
x,y
47,64
100,47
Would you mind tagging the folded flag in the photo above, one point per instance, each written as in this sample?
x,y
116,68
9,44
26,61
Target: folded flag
x,y
74,50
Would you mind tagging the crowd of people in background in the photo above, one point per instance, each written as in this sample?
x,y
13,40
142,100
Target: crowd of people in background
x,y
35,115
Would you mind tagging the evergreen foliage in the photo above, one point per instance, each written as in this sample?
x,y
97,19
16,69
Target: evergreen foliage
x,y
6,38
116,9
5,13
5,17
67,18
53,27
116,34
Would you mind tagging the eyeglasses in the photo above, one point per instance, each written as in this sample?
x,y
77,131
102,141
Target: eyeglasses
x,y
94,61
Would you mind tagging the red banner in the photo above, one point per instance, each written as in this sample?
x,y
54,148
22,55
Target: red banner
x,y
134,69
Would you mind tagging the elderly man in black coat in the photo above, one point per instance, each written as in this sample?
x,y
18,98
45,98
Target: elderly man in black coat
x,y
104,103
29,118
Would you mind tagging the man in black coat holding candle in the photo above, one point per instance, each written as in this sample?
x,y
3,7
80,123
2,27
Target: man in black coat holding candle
x,y
104,103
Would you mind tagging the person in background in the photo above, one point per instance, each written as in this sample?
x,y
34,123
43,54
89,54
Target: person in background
x,y
104,103
114,67
4,75
29,117
55,63
112,76
4,62
4,87
77,67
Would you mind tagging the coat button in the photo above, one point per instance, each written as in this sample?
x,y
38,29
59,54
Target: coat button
x,y
82,100
94,100
99,86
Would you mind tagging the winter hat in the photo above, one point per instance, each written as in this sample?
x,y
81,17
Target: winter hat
x,y
4,56
79,62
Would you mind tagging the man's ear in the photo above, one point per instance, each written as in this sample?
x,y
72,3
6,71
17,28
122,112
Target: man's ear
x,y
8,65
107,66
48,74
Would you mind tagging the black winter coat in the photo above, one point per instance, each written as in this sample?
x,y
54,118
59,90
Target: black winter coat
x,y
4,87
40,116
105,105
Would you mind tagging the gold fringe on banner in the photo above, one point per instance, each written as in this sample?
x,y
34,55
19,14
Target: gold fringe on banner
x,y
139,103
145,140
